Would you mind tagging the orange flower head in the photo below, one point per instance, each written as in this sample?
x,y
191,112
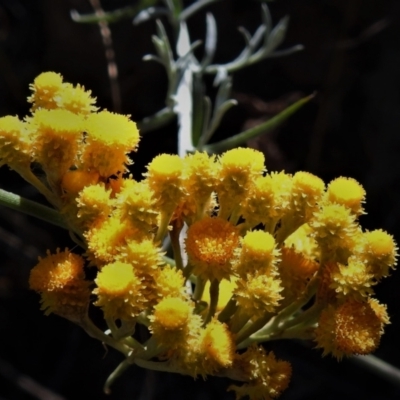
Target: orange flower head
x,y
267,377
60,280
210,245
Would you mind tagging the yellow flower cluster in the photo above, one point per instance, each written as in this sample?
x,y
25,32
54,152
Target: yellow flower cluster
x,y
264,245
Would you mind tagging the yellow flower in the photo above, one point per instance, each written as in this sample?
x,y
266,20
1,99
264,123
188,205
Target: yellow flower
x,y
353,328
303,242
106,241
199,178
110,137
94,204
135,202
307,190
217,347
145,257
352,280
164,176
170,321
358,329
57,134
348,192
119,291
170,283
210,245
258,254
295,271
267,377
259,203
76,99
335,228
59,278
45,88
258,294
15,142
238,168
379,251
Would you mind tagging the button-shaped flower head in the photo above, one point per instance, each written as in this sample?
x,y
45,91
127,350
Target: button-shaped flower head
x,y
210,245
110,137
119,291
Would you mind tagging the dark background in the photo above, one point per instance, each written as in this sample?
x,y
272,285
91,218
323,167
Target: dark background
x,y
352,128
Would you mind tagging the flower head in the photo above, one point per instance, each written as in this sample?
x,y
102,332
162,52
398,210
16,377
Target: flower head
x,y
379,251
94,204
59,278
210,245
217,346
170,321
348,192
15,142
199,178
45,88
258,294
267,377
164,176
76,99
258,254
118,291
110,137
352,280
136,203
57,135
238,168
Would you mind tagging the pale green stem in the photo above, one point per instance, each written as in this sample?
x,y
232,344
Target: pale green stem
x,y
28,175
238,321
230,309
122,367
169,261
252,328
163,366
93,331
176,246
163,228
32,208
214,295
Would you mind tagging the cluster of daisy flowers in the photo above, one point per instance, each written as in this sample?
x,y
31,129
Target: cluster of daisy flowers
x,y
256,256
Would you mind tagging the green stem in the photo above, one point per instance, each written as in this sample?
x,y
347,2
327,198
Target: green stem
x,y
214,295
252,328
122,367
268,126
238,321
32,208
163,228
230,309
199,288
93,331
176,246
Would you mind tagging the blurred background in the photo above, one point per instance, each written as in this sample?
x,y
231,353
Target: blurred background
x,y
352,128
